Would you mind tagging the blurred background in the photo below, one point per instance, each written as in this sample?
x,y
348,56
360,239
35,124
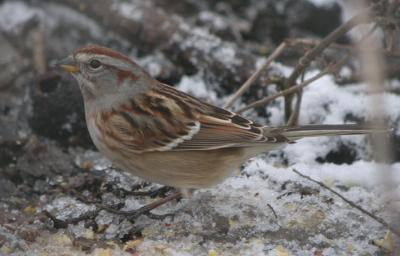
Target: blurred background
x,y
208,49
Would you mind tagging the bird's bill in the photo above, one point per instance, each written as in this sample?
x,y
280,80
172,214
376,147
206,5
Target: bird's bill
x,y
68,64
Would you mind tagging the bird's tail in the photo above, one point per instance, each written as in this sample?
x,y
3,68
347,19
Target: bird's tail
x,y
298,132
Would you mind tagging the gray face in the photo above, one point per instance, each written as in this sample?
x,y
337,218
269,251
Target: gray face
x,y
104,80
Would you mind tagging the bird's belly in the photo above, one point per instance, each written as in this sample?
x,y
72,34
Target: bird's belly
x,y
185,169
180,169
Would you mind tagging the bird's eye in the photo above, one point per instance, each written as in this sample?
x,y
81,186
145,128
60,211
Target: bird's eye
x,y
94,64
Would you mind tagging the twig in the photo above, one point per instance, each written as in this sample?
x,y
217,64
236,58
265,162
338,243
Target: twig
x,y
288,91
39,58
144,209
272,210
333,68
64,223
232,24
294,117
298,42
305,61
352,204
255,75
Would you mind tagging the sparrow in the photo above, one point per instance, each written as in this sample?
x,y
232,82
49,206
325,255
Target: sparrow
x,y
164,135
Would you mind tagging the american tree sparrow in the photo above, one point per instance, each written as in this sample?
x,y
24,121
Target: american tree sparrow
x,y
164,135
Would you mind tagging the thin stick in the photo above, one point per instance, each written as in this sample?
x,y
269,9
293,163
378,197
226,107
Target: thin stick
x,y
298,42
272,210
144,209
306,60
255,75
294,118
39,58
352,204
290,90
330,69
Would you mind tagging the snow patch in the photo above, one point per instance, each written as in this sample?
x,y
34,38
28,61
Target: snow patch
x,y
128,9
217,21
14,14
195,86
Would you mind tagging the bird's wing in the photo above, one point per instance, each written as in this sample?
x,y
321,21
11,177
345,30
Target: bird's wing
x,y
165,119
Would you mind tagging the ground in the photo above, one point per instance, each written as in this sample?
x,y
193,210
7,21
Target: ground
x,y
52,177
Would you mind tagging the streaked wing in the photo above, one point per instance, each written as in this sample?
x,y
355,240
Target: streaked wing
x,y
184,123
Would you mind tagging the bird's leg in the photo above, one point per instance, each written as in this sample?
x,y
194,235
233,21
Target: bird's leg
x,y
153,192
133,214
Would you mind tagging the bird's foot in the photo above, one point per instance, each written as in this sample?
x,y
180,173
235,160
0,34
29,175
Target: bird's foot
x,y
145,210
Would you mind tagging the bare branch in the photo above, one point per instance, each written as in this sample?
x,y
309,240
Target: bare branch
x,y
295,115
333,69
352,204
255,75
291,90
305,61
298,42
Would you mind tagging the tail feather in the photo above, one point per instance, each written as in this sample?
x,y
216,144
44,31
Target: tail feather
x,y
298,132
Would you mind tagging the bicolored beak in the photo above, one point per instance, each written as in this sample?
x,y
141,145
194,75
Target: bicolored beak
x,y
68,64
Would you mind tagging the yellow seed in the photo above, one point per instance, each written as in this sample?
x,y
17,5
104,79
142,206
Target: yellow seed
x,y
104,252
82,7
86,165
280,251
5,250
329,183
350,248
212,252
29,210
101,228
131,244
88,234
62,239
385,243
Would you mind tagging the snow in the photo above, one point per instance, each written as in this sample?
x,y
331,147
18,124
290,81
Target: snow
x,y
226,55
196,86
325,102
68,208
237,217
128,10
322,3
238,208
360,172
217,22
201,39
13,14
268,209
